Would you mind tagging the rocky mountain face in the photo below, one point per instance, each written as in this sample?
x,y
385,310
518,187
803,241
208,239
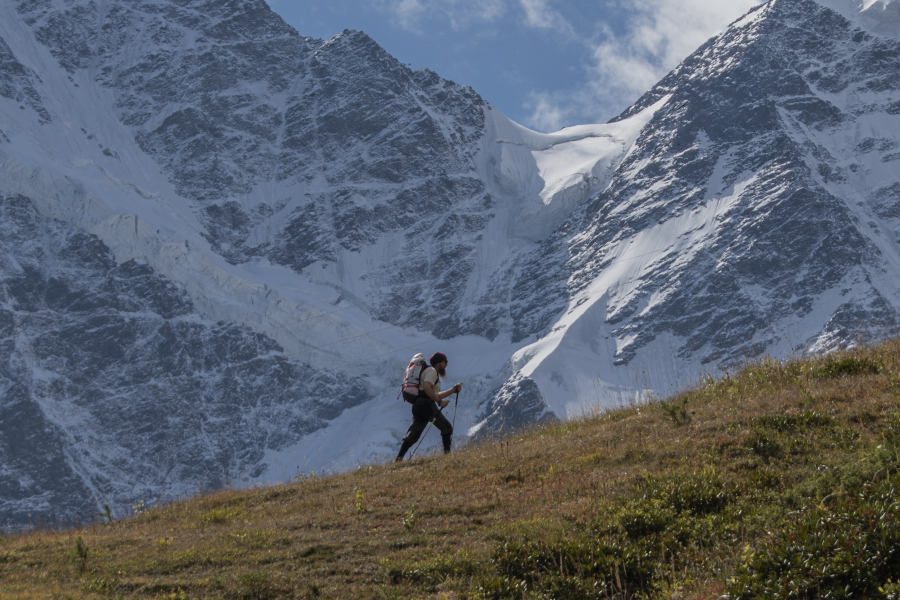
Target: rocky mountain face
x,y
222,240
114,388
756,213
336,142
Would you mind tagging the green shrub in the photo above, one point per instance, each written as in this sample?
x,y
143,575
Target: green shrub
x,y
222,515
848,367
809,419
699,493
676,411
763,479
78,555
847,549
106,514
888,453
763,445
646,516
100,585
799,446
588,568
409,519
625,553
891,426
255,586
313,554
431,573
663,532
554,586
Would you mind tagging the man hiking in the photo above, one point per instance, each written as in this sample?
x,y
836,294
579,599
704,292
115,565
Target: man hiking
x,y
426,408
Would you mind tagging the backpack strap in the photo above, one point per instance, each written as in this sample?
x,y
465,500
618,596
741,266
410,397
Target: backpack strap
x,y
422,393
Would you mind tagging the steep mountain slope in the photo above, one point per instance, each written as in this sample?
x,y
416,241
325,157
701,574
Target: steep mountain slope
x,y
114,388
755,214
239,235
334,141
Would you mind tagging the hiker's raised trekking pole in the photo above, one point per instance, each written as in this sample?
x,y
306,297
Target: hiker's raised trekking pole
x,y
455,405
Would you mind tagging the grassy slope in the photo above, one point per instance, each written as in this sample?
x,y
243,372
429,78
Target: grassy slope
x,y
428,528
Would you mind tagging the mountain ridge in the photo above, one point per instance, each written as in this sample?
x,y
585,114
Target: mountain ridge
x,y
682,142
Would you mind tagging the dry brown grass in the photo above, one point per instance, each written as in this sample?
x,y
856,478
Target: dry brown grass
x,y
427,528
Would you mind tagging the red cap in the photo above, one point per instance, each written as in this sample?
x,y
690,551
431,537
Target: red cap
x,y
438,357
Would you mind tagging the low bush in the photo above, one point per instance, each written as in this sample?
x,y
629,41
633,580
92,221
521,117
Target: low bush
x,y
255,585
848,367
100,585
676,411
313,554
849,548
585,569
222,515
430,573
803,421
645,517
78,555
699,493
764,445
626,552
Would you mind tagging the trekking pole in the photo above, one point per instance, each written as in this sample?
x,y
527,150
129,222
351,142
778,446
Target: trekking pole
x,y
413,453
455,406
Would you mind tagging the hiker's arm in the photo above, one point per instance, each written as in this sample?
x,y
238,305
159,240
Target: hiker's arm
x,y
429,389
450,392
438,397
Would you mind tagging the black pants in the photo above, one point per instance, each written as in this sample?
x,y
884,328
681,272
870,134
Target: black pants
x,y
425,411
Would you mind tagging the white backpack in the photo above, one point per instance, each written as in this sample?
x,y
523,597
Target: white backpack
x,y
412,379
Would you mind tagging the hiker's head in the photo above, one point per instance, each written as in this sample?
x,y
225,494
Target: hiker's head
x,y
439,362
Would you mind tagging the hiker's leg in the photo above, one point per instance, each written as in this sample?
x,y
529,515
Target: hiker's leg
x,y
412,436
422,415
446,429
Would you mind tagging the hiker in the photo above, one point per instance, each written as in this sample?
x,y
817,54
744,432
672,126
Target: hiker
x,y
427,405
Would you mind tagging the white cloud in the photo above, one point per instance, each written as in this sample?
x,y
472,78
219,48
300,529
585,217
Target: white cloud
x,y
659,34
547,112
551,111
408,12
622,65
461,14
539,15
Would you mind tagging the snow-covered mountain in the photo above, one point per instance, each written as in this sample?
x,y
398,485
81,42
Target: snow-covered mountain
x,y
755,214
222,241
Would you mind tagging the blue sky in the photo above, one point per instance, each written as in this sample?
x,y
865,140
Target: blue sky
x,y
544,63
